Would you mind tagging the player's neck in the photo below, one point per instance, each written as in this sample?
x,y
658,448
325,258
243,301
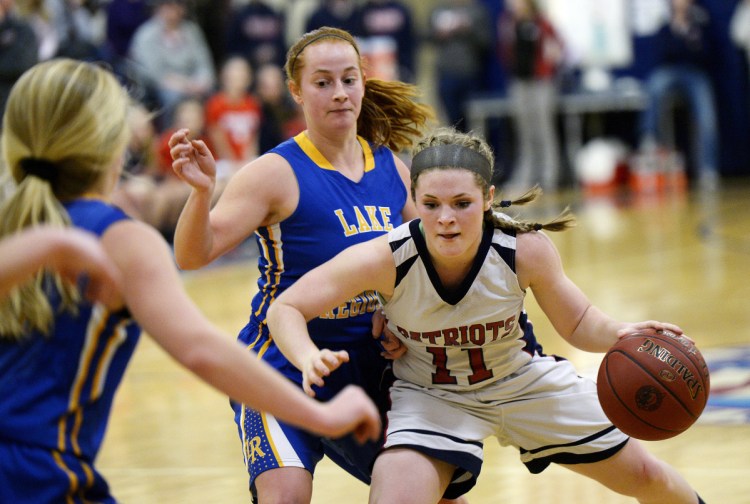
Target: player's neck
x,y
344,154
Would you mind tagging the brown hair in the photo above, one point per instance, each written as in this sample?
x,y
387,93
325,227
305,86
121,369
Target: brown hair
x,y
450,136
390,115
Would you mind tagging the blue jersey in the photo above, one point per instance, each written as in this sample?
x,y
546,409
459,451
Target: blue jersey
x,y
57,392
333,213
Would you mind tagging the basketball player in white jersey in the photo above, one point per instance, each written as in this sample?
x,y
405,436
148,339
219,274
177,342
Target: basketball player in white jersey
x,y
452,285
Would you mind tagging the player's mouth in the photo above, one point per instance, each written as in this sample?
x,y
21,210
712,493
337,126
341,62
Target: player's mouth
x,y
448,236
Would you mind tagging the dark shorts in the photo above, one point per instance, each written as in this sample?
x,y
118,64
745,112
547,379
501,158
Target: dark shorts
x,y
268,443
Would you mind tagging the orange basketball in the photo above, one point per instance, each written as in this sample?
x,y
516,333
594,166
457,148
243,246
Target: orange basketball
x,y
653,385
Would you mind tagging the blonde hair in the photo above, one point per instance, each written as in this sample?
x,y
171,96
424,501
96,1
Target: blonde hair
x,y
450,136
70,118
390,114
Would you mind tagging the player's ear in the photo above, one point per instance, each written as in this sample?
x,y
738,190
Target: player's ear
x,y
490,198
295,92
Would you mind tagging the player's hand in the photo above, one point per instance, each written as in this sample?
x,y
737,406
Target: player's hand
x,y
633,328
351,411
391,345
319,365
192,161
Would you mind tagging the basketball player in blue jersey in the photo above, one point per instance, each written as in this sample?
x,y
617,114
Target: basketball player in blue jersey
x,y
453,284
334,185
61,357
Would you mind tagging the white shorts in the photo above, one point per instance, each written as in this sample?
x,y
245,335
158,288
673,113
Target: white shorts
x,y
544,409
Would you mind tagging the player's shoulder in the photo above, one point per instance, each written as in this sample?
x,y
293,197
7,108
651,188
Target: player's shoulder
x,y
269,167
403,231
534,249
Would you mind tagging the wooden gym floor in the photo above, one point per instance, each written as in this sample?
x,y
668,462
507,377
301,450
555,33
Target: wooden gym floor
x,y
681,258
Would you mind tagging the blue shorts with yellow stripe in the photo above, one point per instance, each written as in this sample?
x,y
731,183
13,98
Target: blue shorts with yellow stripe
x,y
268,443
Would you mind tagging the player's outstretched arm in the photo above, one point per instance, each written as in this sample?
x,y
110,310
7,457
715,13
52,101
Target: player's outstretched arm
x,y
366,266
154,294
572,314
209,227
288,325
194,164
70,252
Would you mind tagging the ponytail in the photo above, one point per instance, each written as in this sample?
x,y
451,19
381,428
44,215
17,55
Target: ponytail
x,y
563,221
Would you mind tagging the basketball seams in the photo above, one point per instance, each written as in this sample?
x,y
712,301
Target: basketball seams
x,y
651,374
625,405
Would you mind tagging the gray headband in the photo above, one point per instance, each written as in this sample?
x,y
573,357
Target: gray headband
x,y
313,40
451,156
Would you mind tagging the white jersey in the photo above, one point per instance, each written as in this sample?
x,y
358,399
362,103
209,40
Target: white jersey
x,y
463,338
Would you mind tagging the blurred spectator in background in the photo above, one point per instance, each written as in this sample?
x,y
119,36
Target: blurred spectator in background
x,y
682,73
531,52
171,58
149,190
82,28
213,17
341,14
64,28
233,116
189,113
296,15
42,15
282,117
18,49
141,172
390,21
462,33
141,156
123,19
739,29
171,194
256,32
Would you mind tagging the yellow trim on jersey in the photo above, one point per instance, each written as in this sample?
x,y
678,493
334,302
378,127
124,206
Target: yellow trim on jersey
x,y
265,346
252,344
118,337
369,156
243,413
93,332
73,488
89,475
269,438
277,259
319,159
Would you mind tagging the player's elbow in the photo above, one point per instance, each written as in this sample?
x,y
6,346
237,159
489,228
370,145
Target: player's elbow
x,y
186,265
188,261
201,360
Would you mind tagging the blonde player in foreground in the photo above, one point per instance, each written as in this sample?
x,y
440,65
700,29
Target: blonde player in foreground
x,y
61,357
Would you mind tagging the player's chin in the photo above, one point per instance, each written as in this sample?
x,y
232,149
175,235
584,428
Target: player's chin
x,y
451,247
343,116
